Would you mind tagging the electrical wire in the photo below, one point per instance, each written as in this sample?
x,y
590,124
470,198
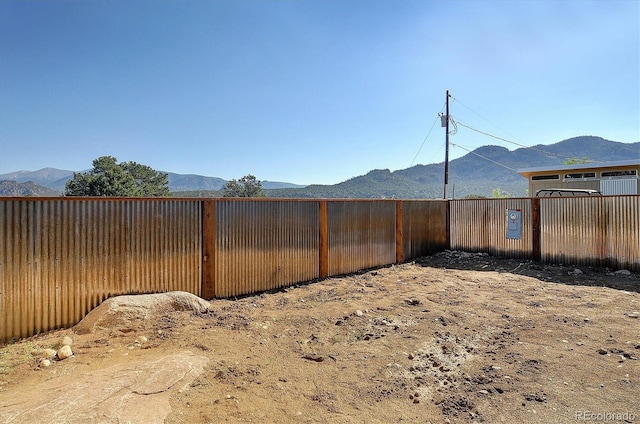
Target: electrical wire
x,y
508,141
425,139
483,157
455,126
473,111
505,140
437,151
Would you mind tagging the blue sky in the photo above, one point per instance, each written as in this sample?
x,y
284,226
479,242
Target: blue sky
x,y
307,91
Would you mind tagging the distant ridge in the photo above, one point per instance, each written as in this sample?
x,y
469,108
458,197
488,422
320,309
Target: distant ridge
x,y
476,173
16,189
55,180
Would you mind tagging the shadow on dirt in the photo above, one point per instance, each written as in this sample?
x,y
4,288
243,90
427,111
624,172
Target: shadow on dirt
x,y
565,274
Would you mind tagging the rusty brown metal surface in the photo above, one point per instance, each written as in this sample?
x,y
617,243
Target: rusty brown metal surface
x,y
424,227
61,258
361,235
595,231
209,248
262,245
480,225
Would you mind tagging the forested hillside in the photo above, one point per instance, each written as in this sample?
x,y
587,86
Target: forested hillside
x,y
478,173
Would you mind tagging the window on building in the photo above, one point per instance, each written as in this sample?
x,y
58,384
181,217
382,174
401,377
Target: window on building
x,y
579,176
545,177
625,173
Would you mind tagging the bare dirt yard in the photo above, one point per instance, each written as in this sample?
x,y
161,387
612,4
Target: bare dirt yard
x,y
454,337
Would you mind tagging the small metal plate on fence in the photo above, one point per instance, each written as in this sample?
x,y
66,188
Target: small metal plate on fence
x,y
514,224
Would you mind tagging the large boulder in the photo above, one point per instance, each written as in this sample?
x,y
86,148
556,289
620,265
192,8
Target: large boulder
x,y
131,392
129,313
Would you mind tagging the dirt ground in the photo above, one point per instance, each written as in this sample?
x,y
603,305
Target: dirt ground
x,y
453,337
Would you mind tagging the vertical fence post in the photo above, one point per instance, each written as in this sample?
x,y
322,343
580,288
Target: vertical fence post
x,y
323,254
399,234
447,225
208,249
535,229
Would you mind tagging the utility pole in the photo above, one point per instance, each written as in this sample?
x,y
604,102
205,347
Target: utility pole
x,y
446,151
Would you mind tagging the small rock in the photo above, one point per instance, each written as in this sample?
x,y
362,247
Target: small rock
x,y
602,351
623,272
633,314
359,313
66,341
313,357
411,356
416,400
483,392
141,339
64,352
538,397
577,271
44,363
49,353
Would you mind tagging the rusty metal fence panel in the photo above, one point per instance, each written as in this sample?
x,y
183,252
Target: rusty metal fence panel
x,y
594,231
262,245
424,227
61,258
362,235
480,225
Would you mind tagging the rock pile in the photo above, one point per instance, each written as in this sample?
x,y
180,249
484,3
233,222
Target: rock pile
x,y
63,352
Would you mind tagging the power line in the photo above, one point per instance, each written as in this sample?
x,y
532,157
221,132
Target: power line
x,y
505,140
436,153
517,144
486,158
486,119
425,139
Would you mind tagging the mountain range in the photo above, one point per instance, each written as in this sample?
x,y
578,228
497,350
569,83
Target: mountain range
x,y
479,172
56,179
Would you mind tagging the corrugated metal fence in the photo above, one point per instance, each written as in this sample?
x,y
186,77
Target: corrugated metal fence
x,y
255,246
593,231
479,225
61,257
263,244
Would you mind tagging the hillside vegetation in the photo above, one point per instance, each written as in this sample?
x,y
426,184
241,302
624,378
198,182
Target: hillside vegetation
x,y
477,173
